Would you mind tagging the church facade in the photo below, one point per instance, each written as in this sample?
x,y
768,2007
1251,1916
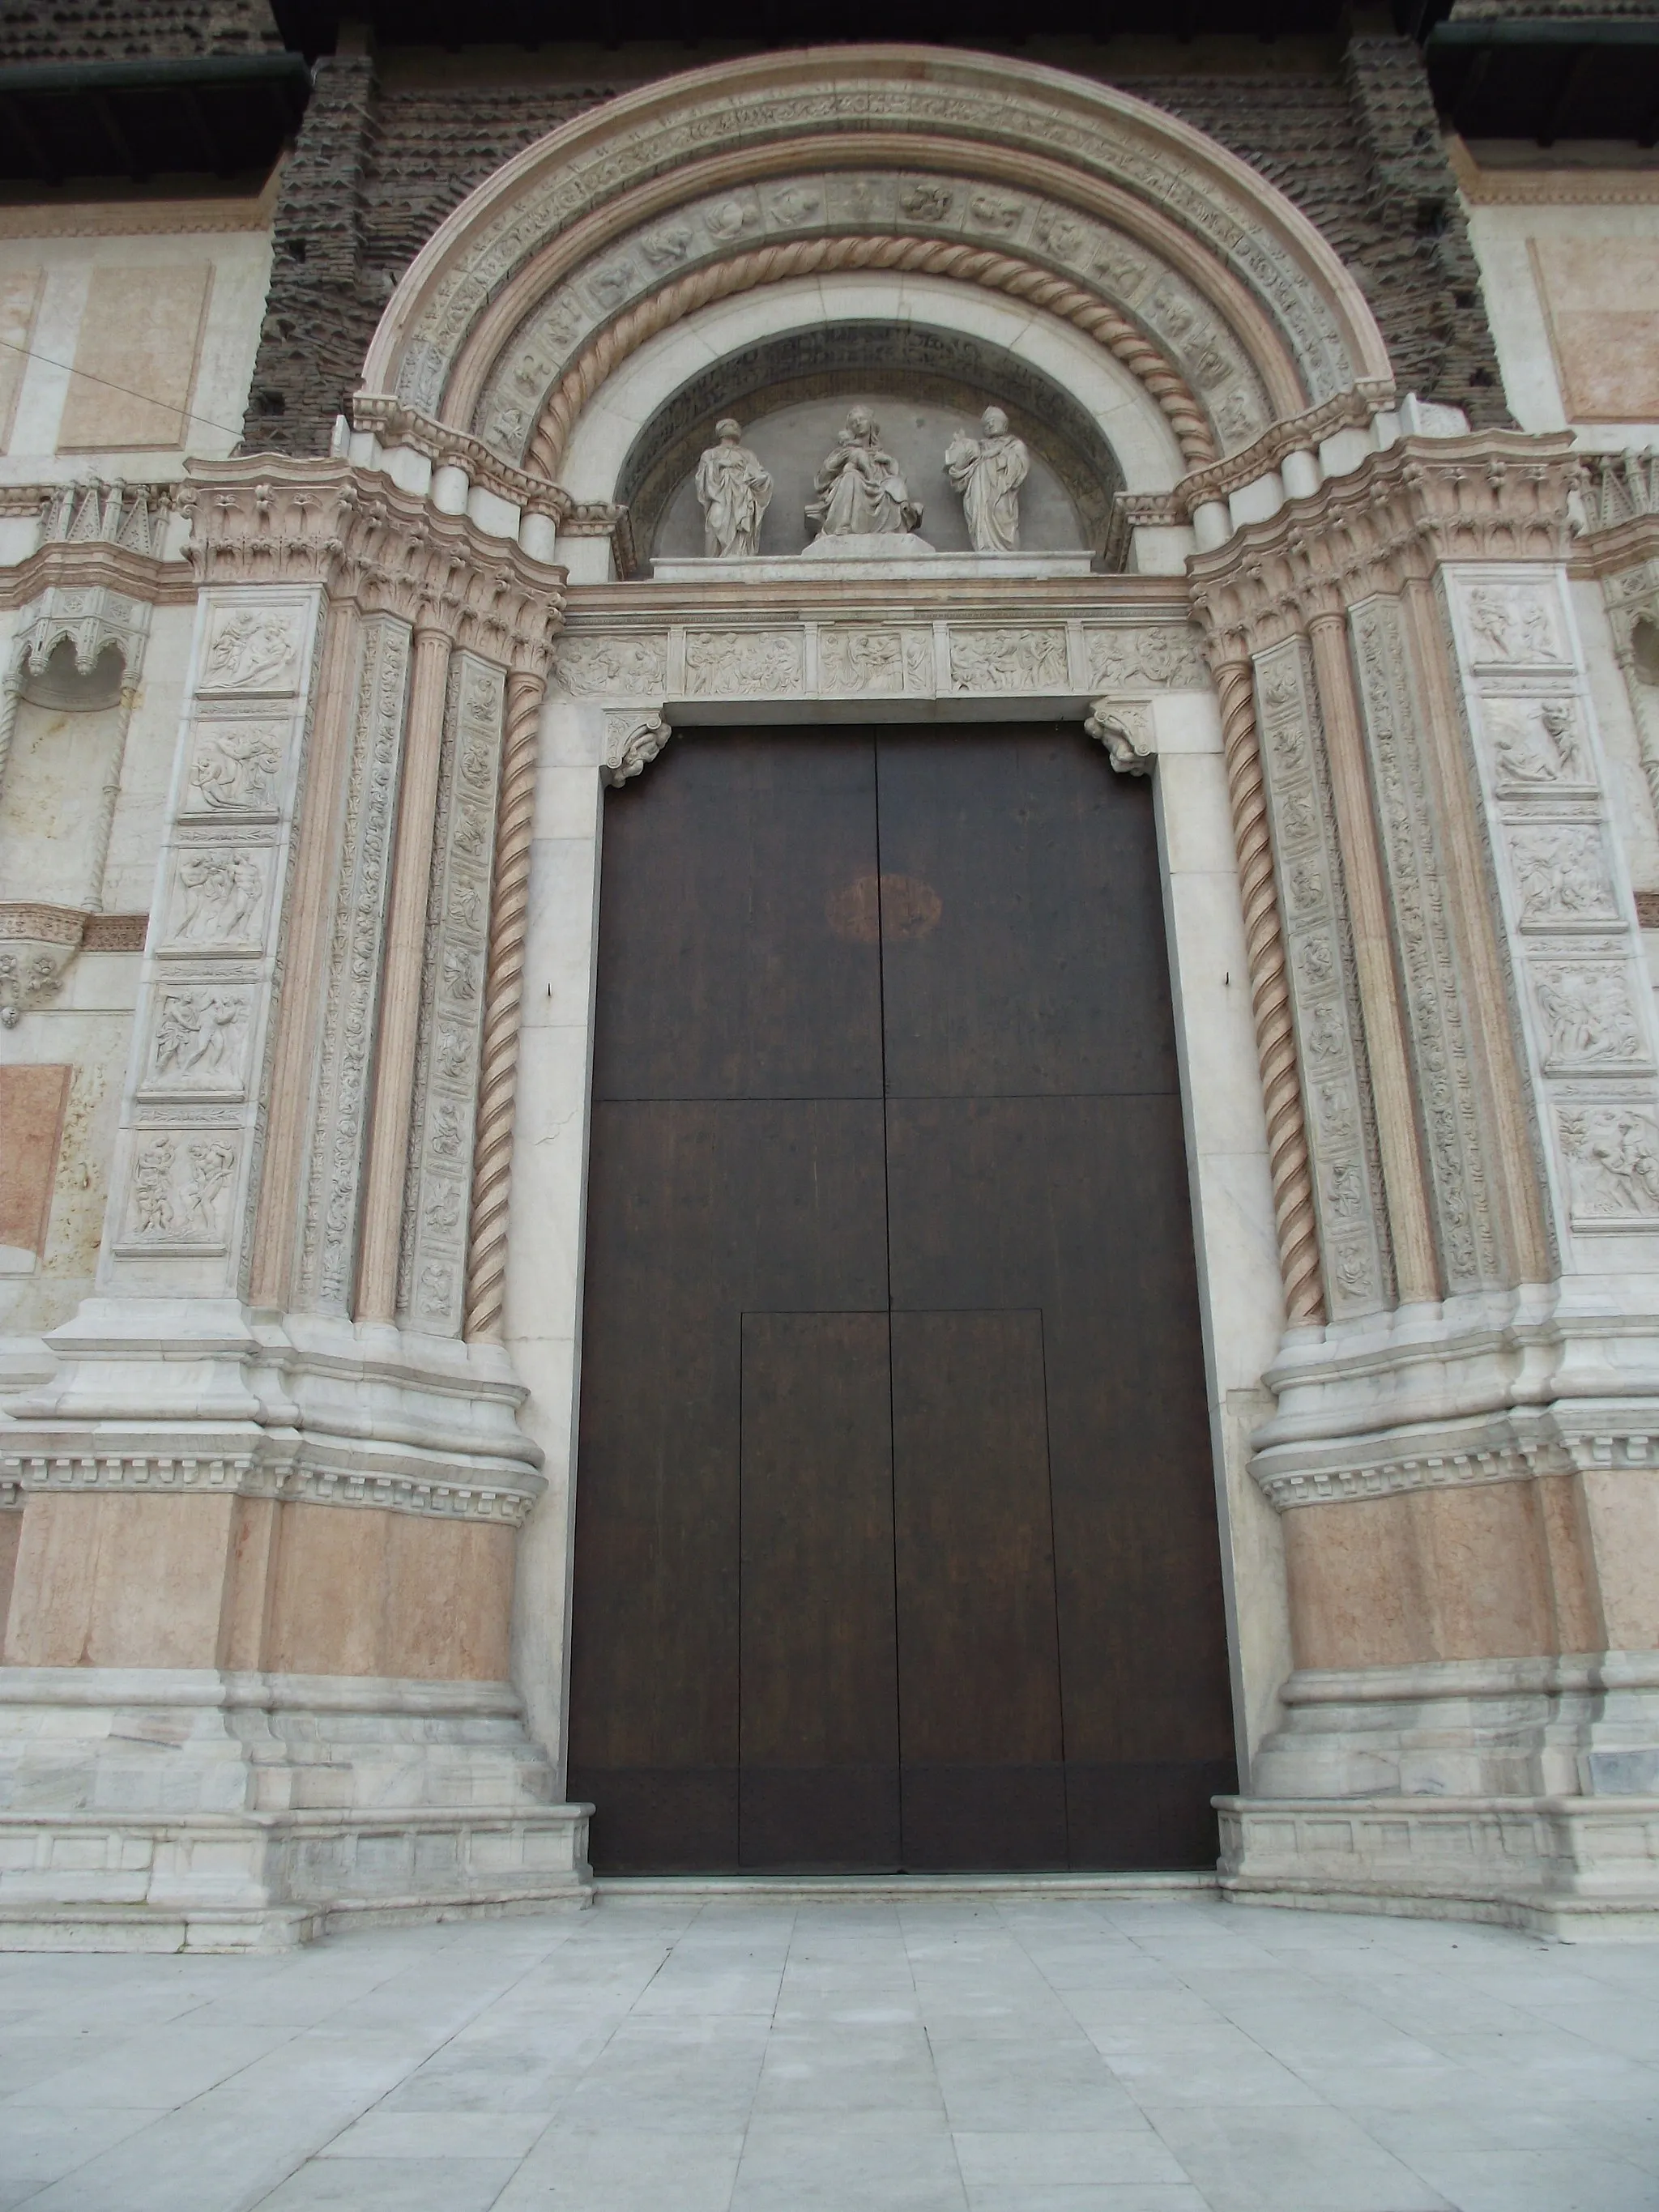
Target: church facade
x,y
827,895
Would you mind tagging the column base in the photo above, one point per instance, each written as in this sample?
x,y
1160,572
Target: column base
x,y
147,1810
1576,1868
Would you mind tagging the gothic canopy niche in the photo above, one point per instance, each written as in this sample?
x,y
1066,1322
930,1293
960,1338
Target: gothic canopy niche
x,y
1073,201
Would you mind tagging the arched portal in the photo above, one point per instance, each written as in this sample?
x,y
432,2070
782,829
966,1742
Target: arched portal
x,y
938,232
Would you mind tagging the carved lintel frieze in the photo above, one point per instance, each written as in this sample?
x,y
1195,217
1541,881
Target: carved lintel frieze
x,y
633,738
1124,726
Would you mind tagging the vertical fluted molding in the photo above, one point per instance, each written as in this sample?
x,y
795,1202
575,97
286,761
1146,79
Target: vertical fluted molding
x,y
498,1074
1270,1000
385,1178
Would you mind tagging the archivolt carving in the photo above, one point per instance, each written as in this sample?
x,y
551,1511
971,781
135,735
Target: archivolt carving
x,y
809,257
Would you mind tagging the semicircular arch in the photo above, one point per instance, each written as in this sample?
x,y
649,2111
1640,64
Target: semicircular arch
x,y
1093,188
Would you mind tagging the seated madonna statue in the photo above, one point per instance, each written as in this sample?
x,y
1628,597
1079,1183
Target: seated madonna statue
x,y
860,492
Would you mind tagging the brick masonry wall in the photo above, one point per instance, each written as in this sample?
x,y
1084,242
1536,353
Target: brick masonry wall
x,y
133,30
375,171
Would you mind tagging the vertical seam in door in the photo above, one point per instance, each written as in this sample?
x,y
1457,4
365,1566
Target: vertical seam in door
x,y
1053,1576
887,1247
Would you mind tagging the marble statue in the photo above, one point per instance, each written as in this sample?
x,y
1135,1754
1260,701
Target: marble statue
x,y
988,471
860,492
734,491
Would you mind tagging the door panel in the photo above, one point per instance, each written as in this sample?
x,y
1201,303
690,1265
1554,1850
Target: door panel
x,y
819,1737
895,1531
979,1660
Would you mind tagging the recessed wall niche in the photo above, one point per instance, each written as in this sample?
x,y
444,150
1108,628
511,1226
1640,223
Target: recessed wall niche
x,y
65,748
792,393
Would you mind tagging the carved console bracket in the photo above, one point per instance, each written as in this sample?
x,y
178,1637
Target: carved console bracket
x,y
633,738
1124,726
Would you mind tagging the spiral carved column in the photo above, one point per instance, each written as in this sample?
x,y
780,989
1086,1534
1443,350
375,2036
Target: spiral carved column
x,y
498,1078
1270,1000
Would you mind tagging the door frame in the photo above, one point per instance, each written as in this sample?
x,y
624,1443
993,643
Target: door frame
x,y
639,663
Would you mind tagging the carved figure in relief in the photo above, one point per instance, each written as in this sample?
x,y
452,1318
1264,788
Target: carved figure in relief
x,y
435,1283
212,1163
1560,874
452,1054
1345,1189
1328,1033
236,766
460,975
1587,1015
152,1187
927,202
220,892
860,492
988,471
200,1032
1159,657
587,666
250,649
1509,631
1613,1153
734,492
1008,660
860,660
1536,742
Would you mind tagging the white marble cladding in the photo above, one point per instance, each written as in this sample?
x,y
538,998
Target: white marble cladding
x,y
1001,654
1561,1866
431,1271
179,1194
1324,999
244,1808
713,227
1586,1016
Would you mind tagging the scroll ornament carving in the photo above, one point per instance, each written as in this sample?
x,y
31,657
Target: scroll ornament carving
x,y
1124,726
432,1245
632,741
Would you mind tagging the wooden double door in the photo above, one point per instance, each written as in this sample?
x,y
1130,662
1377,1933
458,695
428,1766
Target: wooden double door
x,y
896,1535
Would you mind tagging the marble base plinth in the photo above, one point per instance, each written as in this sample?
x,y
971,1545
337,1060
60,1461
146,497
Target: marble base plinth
x,y
142,1809
1571,1866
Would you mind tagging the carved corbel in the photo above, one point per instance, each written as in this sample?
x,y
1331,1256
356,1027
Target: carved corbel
x,y
633,738
1124,726
37,944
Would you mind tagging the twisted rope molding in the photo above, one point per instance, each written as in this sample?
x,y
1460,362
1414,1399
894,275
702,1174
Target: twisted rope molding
x,y
1270,999
498,1072
804,257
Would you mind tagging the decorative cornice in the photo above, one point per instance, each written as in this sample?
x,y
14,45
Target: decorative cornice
x,y
266,521
1603,187
96,536
395,424
1375,1470
1619,495
1493,496
1348,411
300,1479
138,218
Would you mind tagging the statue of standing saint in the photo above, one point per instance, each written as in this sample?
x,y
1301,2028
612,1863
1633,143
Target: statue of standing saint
x,y
988,471
734,491
860,492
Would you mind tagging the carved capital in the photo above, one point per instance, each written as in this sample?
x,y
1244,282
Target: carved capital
x,y
351,530
1124,726
1495,495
